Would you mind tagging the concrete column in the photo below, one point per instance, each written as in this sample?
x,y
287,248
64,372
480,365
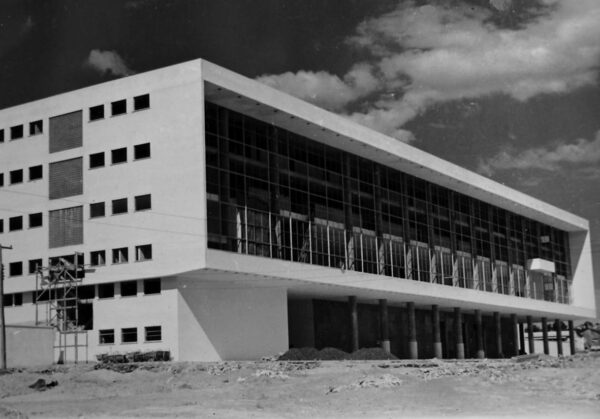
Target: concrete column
x,y
413,348
545,335
458,334
530,335
558,329
353,323
385,325
515,330
498,327
521,338
437,336
571,337
479,334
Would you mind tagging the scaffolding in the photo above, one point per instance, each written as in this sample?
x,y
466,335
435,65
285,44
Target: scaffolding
x,y
57,304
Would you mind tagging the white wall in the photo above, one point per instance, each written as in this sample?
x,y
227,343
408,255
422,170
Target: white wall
x,y
231,321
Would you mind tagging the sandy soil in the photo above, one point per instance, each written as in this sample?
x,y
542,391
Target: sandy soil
x,y
543,387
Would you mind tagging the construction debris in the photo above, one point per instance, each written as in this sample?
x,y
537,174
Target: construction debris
x,y
334,354
42,385
384,381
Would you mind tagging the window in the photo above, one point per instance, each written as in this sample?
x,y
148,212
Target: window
x,y
35,172
128,288
15,268
65,132
106,336
34,264
120,255
152,286
143,252
97,210
119,206
15,223
119,107
65,178
98,258
153,333
96,112
1,226
1,179
119,155
1,135
96,160
35,220
141,102
129,335
106,290
86,292
143,202
36,127
16,132
8,300
16,176
18,299
141,151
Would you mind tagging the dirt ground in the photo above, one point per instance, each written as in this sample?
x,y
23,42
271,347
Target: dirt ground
x,y
540,387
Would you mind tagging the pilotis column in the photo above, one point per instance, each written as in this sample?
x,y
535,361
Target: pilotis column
x,y
515,327
571,337
498,327
545,335
479,333
530,335
413,348
458,334
353,323
558,328
437,337
385,328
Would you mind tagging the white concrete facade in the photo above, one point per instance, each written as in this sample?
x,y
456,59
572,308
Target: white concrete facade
x,y
215,305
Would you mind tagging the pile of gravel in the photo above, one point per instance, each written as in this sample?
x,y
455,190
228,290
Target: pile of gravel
x,y
334,354
300,354
371,354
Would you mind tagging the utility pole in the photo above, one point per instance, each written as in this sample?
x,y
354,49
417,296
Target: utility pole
x,y
3,332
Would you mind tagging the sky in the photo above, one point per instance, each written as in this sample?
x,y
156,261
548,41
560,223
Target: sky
x,y
507,88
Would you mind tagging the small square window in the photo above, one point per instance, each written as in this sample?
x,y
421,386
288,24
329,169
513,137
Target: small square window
x,y
1,135
86,292
129,335
143,202
98,258
106,336
36,127
96,160
141,151
97,209
1,179
18,299
128,288
96,112
34,264
35,220
7,300
106,290
141,102
120,255
119,206
119,155
16,132
15,268
36,172
15,223
153,333
1,226
143,252
152,286
16,176
119,107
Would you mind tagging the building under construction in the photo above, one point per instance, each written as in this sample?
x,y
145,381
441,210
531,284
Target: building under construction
x,y
195,211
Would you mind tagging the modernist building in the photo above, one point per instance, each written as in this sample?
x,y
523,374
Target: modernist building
x,y
227,220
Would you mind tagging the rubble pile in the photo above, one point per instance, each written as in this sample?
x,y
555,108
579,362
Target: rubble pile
x,y
334,354
383,381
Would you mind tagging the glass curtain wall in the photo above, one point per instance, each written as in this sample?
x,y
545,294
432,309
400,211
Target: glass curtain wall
x,y
277,194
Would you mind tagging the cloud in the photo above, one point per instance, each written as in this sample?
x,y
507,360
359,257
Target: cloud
x,y
107,62
422,55
581,156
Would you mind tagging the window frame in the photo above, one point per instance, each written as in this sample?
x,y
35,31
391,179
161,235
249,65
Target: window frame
x,y
33,175
110,333
116,203
115,107
149,331
34,217
95,206
92,164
